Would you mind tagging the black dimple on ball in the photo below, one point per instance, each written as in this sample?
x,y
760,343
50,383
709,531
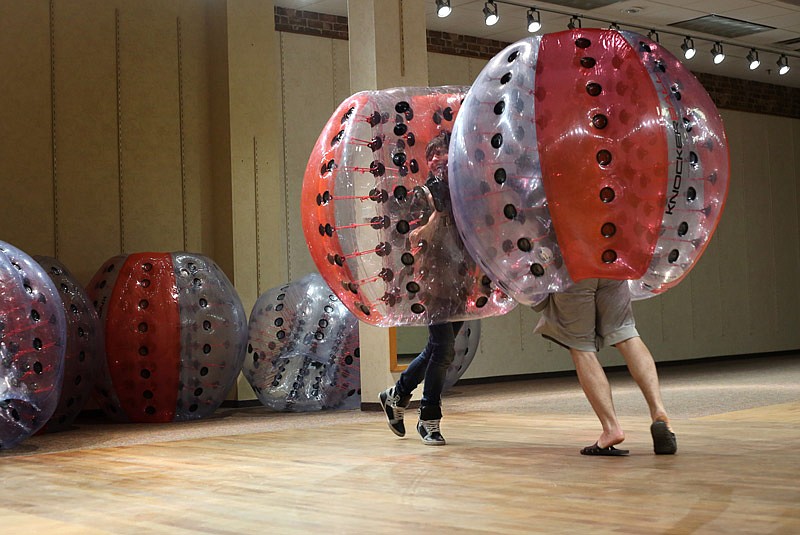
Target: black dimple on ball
x,y
510,211
497,140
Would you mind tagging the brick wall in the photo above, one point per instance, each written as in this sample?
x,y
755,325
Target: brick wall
x,y
747,95
728,93
310,23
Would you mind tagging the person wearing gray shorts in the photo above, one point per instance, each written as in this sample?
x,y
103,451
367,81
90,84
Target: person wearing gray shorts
x,y
592,314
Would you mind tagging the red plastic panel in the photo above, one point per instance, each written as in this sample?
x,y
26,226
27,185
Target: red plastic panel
x,y
143,338
603,152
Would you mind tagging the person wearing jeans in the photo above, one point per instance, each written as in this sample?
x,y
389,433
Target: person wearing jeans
x,y
438,233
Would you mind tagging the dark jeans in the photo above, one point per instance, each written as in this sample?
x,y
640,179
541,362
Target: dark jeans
x,y
431,365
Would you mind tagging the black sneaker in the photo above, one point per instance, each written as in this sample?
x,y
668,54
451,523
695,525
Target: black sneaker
x,y
429,431
395,409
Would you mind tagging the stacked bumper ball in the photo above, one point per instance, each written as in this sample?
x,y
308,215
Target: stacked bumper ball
x,y
32,344
175,336
587,153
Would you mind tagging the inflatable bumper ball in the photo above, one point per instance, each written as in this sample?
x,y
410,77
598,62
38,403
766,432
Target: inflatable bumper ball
x,y
465,348
32,343
84,344
175,336
377,217
587,153
303,352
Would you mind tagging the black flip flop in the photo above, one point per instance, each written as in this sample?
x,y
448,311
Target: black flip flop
x,y
664,441
608,451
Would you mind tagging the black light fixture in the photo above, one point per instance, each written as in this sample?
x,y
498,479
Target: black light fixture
x,y
688,47
534,20
490,13
574,22
653,35
752,59
783,64
614,26
443,8
717,52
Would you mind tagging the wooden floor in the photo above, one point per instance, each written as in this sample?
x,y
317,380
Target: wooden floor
x,y
736,472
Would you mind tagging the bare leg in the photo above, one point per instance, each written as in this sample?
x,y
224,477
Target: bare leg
x,y
595,385
643,370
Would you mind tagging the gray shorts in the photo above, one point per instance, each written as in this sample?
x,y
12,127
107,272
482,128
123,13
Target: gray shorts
x,y
589,315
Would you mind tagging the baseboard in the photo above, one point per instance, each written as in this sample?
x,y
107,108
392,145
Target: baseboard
x,y
375,406
622,367
241,404
97,414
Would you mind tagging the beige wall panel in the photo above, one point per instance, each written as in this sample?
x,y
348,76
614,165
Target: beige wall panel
x,y
308,102
759,251
218,203
731,236
706,303
444,69
784,166
86,136
151,174
341,71
256,146
197,162
27,214
677,335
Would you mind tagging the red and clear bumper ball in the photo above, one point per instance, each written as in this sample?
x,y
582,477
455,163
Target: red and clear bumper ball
x,y
33,338
368,213
175,336
84,344
303,352
587,153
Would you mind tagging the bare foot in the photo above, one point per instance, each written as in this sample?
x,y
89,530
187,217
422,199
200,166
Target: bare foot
x,y
610,438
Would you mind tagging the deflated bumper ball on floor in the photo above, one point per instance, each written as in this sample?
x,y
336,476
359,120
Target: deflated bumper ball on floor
x,y
175,336
32,344
303,351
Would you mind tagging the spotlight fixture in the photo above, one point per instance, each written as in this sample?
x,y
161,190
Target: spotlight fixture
x,y
688,47
717,52
653,35
783,64
752,59
534,20
574,22
490,13
443,8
